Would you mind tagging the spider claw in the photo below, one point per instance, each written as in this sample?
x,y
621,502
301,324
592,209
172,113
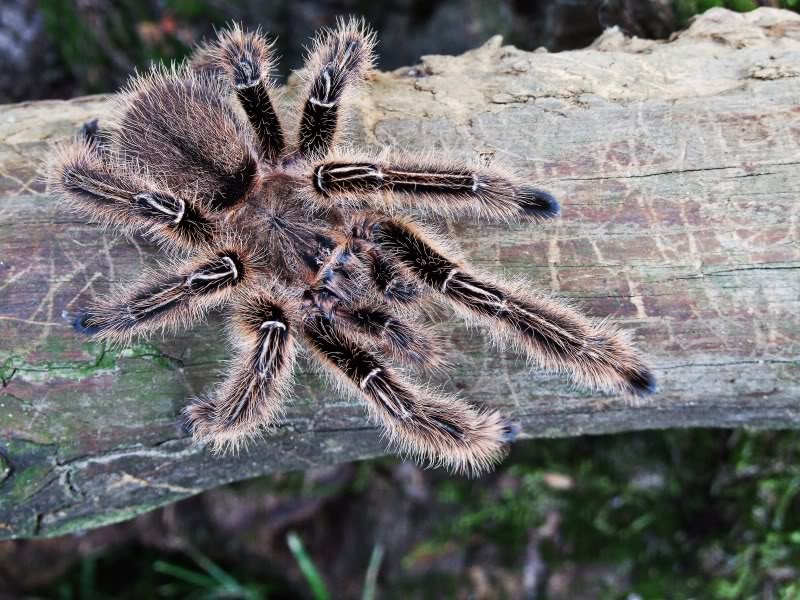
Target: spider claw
x,y
510,431
538,203
184,425
81,324
196,417
643,383
90,130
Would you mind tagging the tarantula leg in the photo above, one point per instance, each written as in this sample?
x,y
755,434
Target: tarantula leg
x,y
173,296
338,63
553,335
433,185
108,193
246,60
442,430
387,278
406,341
260,373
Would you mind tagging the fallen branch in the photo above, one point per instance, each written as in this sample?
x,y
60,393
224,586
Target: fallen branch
x,y
678,166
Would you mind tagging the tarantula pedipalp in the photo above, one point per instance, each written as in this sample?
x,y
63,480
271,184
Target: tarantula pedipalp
x,y
300,236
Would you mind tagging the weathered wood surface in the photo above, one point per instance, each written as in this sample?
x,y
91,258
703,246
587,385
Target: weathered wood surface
x,y
678,165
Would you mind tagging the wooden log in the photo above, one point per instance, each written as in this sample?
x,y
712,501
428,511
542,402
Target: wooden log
x,y
678,166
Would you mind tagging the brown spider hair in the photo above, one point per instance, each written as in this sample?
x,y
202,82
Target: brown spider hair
x,y
300,236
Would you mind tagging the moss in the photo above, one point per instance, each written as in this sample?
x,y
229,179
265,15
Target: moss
x,y
5,468
100,359
427,551
28,468
686,9
77,523
143,380
677,514
23,485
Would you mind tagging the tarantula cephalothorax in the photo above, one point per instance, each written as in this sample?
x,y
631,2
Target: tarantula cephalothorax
x,y
300,236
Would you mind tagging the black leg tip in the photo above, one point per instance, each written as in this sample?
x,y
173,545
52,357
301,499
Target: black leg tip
x,y
90,130
198,413
184,425
643,383
510,431
538,203
246,75
82,324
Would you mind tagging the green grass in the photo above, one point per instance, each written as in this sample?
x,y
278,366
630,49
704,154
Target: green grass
x,y
315,581
208,583
110,44
685,9
678,514
194,576
659,504
99,52
318,588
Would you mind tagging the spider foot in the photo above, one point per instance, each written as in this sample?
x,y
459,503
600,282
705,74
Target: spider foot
x,y
82,322
538,203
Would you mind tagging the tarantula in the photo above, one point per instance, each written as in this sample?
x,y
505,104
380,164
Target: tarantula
x,y
299,234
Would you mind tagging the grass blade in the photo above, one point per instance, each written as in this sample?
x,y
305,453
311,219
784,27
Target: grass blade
x,y
186,575
213,570
371,578
314,579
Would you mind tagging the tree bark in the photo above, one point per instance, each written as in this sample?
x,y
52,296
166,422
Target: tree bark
x,y
678,167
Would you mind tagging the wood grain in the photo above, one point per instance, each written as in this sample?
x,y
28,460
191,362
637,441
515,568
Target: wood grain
x,y
678,166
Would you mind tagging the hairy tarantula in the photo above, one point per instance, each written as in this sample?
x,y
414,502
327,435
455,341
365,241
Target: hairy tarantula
x,y
300,235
